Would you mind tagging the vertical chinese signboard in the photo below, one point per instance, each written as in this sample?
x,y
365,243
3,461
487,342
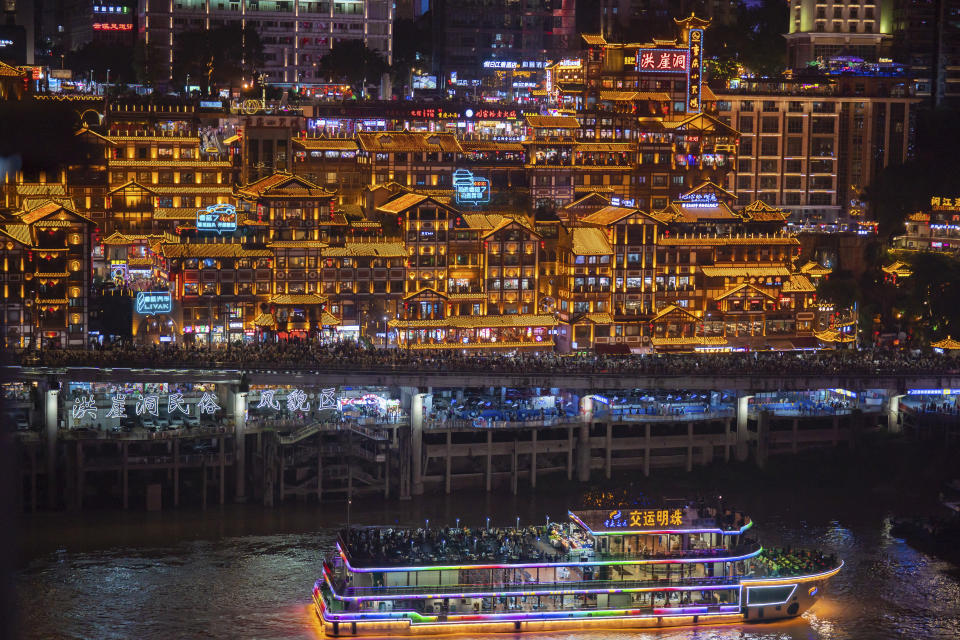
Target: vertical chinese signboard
x,y
694,75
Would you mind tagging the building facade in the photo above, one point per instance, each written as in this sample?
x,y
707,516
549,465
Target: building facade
x,y
296,34
822,29
811,148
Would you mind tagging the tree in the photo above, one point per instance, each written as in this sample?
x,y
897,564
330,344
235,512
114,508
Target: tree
x,y
931,293
41,134
232,53
350,61
899,190
101,57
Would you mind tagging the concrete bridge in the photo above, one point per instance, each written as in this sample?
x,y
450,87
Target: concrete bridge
x,y
733,381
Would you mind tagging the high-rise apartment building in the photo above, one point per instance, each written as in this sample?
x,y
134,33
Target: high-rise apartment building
x,y
821,29
625,18
927,37
478,40
296,34
812,149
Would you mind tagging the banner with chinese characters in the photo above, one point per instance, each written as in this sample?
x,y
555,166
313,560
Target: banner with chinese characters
x,y
662,60
644,519
941,203
695,75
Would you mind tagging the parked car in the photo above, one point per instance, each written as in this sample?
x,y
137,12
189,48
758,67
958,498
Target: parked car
x,y
163,423
149,424
22,424
191,421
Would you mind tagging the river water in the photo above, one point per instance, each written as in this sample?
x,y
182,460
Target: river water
x,y
242,571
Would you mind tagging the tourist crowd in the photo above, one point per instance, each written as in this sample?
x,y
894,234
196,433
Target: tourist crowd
x,y
348,355
401,546
792,562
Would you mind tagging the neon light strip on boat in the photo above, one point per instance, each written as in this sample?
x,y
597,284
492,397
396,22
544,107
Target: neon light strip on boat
x,y
750,589
413,616
583,524
537,565
791,579
518,594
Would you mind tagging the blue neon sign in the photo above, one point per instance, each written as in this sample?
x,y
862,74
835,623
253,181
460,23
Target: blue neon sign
x,y
153,302
218,218
470,189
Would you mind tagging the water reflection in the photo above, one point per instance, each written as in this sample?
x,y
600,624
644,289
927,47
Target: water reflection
x,y
229,573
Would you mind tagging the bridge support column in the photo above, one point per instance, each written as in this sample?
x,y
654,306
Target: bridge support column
x,y
743,434
50,408
894,423
609,450
176,472
240,440
727,432
763,433
533,459
449,468
689,447
646,451
418,408
570,453
836,430
795,440
126,475
515,467
583,445
489,460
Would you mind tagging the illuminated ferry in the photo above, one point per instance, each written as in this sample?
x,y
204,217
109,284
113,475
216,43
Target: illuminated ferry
x,y
604,569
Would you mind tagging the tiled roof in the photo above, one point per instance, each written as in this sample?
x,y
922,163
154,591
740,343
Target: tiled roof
x,y
713,341
899,269
420,292
402,203
833,336
118,238
747,287
372,249
175,213
19,232
212,251
723,240
553,122
599,318
590,241
588,196
296,244
131,184
812,268
593,39
265,320
744,272
608,147
298,298
630,96
947,343
798,284
9,72
672,308
326,144
49,189
490,145
760,211
400,141
609,215
160,163
480,322
282,183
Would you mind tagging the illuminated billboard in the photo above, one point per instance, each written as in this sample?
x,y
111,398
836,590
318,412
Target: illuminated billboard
x,y
662,60
470,189
218,218
153,302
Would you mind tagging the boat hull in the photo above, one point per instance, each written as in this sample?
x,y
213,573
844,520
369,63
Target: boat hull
x,y
761,600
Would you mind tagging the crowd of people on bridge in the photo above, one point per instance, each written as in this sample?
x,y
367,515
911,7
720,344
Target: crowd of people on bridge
x,y
353,356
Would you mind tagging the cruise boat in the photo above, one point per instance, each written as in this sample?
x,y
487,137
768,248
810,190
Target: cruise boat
x,y
630,568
